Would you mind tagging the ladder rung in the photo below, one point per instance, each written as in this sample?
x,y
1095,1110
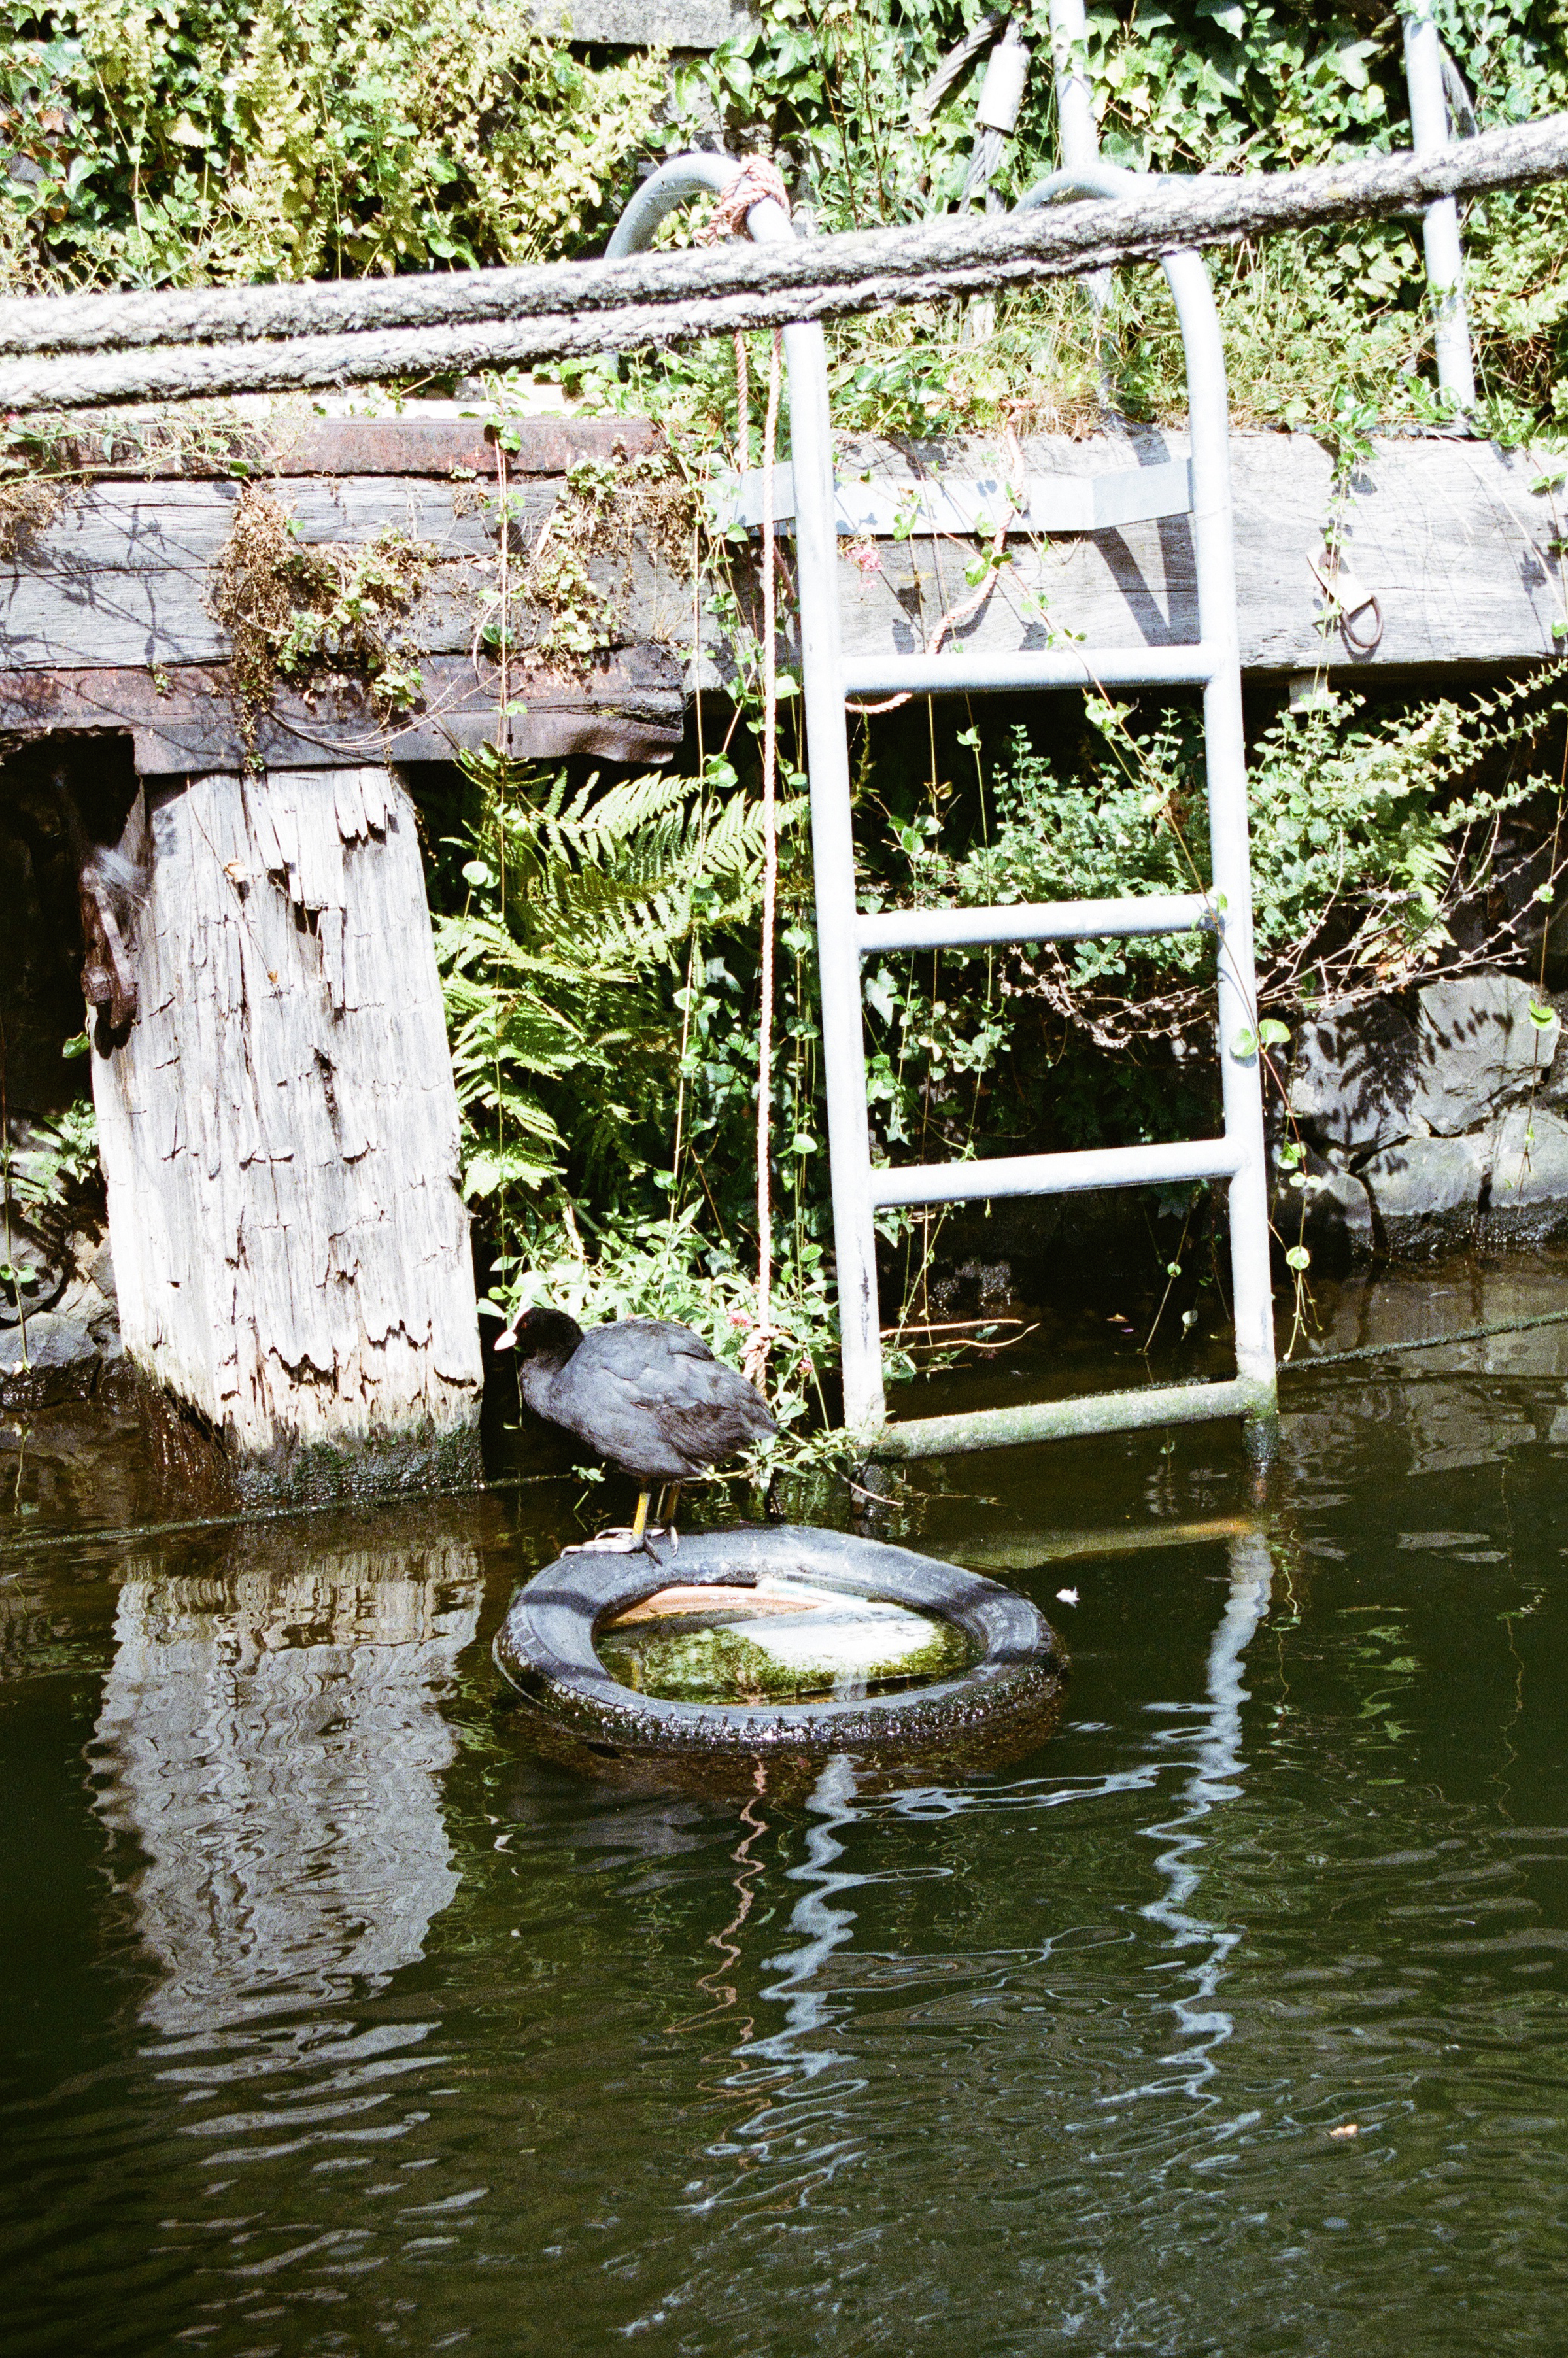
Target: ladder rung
x,y
1037,921
930,506
948,674
1067,1420
1166,1164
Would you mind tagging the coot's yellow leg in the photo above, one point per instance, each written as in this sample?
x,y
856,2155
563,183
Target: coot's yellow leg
x,y
639,1521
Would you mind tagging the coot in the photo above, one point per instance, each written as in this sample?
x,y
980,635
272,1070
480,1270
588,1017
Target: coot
x,y
645,1393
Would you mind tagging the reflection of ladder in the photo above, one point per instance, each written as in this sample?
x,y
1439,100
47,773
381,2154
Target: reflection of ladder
x,y
845,937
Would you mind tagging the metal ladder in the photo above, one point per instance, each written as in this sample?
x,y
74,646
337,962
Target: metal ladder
x,y
845,937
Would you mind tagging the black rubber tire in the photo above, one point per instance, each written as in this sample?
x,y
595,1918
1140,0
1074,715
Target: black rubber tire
x,y
546,1648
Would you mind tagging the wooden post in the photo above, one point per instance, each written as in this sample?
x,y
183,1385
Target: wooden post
x,y
279,1130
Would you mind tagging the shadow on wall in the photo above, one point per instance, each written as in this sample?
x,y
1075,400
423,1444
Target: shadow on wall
x,y
1436,1120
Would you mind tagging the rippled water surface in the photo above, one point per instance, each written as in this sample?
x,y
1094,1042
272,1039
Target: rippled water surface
x,y
1233,2020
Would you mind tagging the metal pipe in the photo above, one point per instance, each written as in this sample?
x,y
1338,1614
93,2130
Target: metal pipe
x,y
1165,1164
1038,921
1077,134
1071,1420
671,185
951,674
1440,224
827,750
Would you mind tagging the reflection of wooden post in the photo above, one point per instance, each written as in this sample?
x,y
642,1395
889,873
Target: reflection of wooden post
x,y
275,1744
279,1135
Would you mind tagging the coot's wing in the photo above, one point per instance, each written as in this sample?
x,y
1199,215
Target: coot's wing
x,y
672,1407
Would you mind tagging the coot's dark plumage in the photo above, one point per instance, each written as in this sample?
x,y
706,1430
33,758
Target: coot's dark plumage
x,y
645,1393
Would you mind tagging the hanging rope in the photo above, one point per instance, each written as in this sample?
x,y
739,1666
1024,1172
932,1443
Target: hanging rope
x,y
742,409
760,1339
760,181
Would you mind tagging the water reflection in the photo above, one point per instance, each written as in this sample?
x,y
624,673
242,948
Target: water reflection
x,y
1203,2025
1447,1408
272,1741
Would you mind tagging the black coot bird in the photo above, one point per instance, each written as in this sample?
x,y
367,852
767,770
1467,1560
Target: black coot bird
x,y
643,1392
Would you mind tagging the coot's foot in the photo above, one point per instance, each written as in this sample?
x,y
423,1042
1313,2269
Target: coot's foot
x,y
623,1540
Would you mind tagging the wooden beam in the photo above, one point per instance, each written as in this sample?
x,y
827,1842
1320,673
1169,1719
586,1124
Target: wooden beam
x,y
1450,534
626,706
435,438
106,619
279,1131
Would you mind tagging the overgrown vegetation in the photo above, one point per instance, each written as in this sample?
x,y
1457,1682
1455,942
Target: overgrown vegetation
x,y
1312,321
601,956
150,144
230,141
297,608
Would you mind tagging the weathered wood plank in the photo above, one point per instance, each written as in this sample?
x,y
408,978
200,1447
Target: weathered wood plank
x,y
294,1268
291,439
626,706
647,24
124,574
1449,535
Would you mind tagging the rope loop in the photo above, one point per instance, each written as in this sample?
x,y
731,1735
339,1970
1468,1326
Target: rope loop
x,y
758,181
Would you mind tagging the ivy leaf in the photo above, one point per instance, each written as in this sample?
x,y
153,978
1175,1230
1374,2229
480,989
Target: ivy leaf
x,y
1245,1045
880,994
1298,1258
1543,1017
1272,1034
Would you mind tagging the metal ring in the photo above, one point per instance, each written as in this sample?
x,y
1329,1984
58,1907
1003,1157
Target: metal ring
x,y
546,1649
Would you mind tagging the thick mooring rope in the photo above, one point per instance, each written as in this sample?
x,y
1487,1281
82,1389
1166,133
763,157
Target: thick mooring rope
x,y
81,350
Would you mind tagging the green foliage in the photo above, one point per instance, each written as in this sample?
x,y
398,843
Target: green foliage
x,y
152,144
559,963
44,1174
1361,849
159,144
605,1068
1191,85
1370,838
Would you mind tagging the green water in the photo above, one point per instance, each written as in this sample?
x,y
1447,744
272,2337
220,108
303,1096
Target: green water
x,y
722,1664
335,2023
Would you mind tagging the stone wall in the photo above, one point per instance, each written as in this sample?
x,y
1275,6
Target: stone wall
x,y
1438,1118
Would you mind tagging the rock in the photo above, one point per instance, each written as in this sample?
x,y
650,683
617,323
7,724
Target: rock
x,y
101,1269
1352,1076
1477,1049
84,1305
1529,1199
1426,1194
61,1362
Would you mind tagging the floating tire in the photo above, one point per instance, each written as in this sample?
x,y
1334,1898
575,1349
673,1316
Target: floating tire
x,y
1005,1700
